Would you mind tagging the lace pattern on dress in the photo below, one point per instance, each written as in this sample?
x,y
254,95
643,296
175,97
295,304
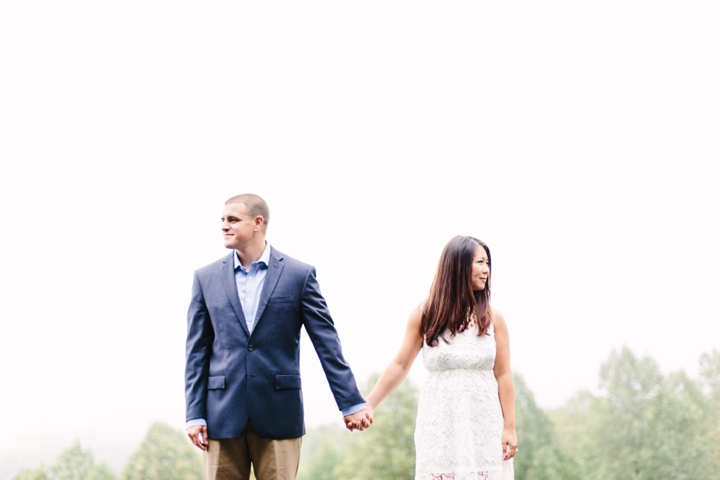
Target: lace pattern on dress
x,y
458,435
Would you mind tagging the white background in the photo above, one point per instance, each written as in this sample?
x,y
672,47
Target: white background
x,y
579,140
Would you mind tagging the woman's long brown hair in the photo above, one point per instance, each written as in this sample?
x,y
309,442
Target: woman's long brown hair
x,y
452,299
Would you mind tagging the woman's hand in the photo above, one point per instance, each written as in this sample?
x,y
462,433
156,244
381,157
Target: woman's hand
x,y
360,420
509,443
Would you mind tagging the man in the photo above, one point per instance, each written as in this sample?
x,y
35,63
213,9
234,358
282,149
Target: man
x,y
242,376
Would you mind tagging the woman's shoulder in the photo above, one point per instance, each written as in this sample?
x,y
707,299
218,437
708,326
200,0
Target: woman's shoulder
x,y
497,318
417,312
420,307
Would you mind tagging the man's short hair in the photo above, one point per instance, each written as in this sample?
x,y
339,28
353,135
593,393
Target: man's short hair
x,y
254,204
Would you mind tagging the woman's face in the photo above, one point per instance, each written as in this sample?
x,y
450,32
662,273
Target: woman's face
x,y
480,269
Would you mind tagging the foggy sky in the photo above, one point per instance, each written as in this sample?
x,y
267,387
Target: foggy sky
x,y
580,142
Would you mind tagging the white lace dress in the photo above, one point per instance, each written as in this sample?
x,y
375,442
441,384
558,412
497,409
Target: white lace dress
x,y
458,435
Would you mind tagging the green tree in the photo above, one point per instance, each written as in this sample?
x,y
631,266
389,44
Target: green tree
x,y
323,450
710,376
573,423
645,426
540,457
623,438
32,474
387,449
165,454
74,463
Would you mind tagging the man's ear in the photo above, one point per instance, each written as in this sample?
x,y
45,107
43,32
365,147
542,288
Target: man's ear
x,y
259,221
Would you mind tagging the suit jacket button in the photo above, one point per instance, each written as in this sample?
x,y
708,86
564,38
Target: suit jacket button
x,y
250,347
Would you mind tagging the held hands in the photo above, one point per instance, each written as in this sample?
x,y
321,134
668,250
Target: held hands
x,y
198,436
359,420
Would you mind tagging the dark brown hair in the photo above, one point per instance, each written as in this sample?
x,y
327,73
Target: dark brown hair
x,y
452,299
255,205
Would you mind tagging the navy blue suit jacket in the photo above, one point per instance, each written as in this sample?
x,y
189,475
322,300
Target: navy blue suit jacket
x,y
232,376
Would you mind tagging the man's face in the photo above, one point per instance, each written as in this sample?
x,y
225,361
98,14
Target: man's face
x,y
238,227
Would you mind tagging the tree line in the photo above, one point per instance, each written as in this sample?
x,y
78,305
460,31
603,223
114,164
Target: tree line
x,y
165,453
642,425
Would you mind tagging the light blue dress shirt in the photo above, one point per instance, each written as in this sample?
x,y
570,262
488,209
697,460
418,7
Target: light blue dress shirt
x,y
249,286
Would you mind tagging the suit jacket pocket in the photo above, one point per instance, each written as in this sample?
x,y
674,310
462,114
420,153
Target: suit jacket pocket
x,y
216,383
287,382
281,298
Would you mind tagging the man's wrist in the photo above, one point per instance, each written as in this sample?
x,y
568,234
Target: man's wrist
x,y
354,409
195,422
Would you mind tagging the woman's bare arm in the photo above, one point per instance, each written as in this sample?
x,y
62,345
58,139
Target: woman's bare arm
x,y
399,367
506,388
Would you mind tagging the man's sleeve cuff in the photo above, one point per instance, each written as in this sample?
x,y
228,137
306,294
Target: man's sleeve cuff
x,y
194,422
353,409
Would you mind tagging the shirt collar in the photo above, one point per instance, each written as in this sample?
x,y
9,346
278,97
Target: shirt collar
x,y
264,258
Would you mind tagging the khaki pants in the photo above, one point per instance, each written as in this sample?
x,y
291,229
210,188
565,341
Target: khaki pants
x,y
271,459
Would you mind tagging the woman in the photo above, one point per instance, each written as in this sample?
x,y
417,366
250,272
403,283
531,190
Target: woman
x,y
465,425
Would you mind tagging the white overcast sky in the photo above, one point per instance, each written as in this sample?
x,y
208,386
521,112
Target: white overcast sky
x,y
580,140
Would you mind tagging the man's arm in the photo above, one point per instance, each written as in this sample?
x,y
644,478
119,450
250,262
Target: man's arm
x,y
321,330
200,336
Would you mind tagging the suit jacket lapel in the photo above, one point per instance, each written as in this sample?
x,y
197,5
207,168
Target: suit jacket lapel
x,y
228,278
272,276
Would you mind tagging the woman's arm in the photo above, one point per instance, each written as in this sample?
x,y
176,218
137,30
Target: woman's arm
x,y
506,388
398,369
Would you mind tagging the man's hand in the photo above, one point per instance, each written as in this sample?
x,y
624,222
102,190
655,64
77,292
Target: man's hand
x,y
359,420
198,436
